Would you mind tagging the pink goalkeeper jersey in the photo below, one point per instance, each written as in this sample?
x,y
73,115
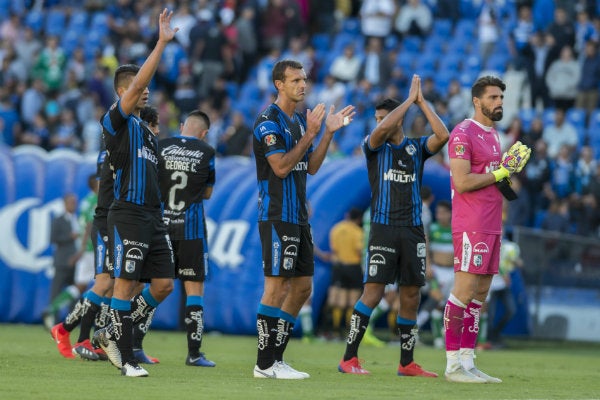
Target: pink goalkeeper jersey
x,y
479,210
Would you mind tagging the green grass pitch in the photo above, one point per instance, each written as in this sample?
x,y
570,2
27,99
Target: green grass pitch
x,y
31,368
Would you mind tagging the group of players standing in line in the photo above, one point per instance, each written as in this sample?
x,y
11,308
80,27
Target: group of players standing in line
x,y
177,174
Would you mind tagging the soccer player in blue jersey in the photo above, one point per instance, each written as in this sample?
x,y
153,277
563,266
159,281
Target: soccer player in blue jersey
x,y
396,251
285,153
187,175
138,238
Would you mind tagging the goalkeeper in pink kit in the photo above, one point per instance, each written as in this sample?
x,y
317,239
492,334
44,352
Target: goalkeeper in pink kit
x,y
479,178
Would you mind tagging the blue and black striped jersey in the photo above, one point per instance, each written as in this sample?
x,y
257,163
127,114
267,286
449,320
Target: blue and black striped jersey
x,y
280,199
186,167
132,155
395,175
105,186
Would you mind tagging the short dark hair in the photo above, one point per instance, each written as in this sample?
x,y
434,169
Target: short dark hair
x,y
202,115
123,73
479,86
355,214
445,204
278,73
388,104
149,114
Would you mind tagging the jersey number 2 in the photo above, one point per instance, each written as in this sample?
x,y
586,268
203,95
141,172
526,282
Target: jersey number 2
x,y
180,182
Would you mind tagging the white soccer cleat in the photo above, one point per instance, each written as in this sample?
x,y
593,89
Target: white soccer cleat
x,y
133,370
284,365
276,371
483,375
105,341
461,375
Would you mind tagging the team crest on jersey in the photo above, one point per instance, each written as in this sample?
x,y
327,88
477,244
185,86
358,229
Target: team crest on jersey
x,y
270,140
411,149
459,149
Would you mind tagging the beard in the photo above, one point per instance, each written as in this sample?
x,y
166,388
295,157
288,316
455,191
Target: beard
x,y
494,115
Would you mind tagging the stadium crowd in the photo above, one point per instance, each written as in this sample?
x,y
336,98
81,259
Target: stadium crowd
x,y
57,59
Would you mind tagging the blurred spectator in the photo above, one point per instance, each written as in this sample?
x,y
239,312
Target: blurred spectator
x,y
536,176
539,50
32,101
211,49
562,178
185,97
459,107
297,51
584,31
120,12
185,21
39,134
535,132
560,133
330,93
247,41
430,92
562,28
91,132
67,132
27,47
9,119
513,132
488,30
585,168
562,79
518,210
587,97
376,18
375,68
10,29
218,97
414,19
557,218
345,67
50,64
274,22
235,141
520,37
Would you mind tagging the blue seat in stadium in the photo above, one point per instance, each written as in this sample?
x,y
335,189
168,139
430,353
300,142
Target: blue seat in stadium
x,y
352,136
320,41
442,28
450,62
576,116
465,29
78,21
35,20
527,115
435,44
406,60
497,62
472,63
458,46
426,62
442,79
55,22
468,77
351,25
99,22
341,40
250,92
70,40
232,89
548,116
412,44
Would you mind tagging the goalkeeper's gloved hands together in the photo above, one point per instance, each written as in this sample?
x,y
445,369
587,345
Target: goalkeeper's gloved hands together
x,y
513,160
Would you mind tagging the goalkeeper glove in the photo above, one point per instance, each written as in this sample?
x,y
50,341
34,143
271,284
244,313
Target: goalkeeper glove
x,y
513,160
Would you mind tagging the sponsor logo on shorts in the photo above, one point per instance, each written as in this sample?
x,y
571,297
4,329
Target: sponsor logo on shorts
x,y
118,256
134,254
291,250
421,250
185,272
288,263
375,260
276,253
481,247
129,266
382,248
128,242
291,239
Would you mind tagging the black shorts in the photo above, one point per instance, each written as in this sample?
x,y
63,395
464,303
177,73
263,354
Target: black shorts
x,y
287,249
140,244
396,254
102,261
347,276
191,259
